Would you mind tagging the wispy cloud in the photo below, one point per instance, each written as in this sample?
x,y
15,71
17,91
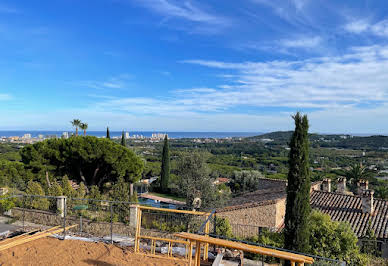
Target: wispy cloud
x,y
293,11
182,9
365,26
117,82
356,78
206,21
302,42
353,81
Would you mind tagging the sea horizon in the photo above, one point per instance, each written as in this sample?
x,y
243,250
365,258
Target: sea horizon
x,y
98,133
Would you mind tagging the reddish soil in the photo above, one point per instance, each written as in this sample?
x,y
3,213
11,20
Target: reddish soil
x,y
51,251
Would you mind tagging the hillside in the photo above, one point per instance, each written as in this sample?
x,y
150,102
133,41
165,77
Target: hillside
x,y
377,142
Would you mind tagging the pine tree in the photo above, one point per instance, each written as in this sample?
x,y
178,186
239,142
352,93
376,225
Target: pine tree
x,y
67,189
107,133
55,189
82,191
123,139
35,202
298,189
165,169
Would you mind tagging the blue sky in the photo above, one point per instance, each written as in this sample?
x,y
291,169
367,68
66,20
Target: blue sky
x,y
182,65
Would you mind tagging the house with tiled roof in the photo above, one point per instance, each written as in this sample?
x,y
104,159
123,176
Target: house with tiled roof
x,y
265,207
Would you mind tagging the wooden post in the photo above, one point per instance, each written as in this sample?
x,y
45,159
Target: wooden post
x,y
197,253
292,263
206,247
138,226
190,253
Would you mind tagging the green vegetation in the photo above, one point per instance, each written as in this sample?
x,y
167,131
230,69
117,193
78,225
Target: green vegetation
x,y
165,168
327,238
84,127
245,180
223,227
298,189
123,139
195,181
88,159
107,133
76,123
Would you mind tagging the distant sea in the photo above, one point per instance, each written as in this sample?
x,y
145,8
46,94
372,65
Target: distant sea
x,y
174,135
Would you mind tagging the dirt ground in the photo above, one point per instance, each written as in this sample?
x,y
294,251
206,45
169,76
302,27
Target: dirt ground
x,y
51,251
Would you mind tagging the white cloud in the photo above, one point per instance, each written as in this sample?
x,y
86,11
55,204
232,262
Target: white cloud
x,y
303,42
182,9
381,28
356,78
206,22
357,26
117,82
364,26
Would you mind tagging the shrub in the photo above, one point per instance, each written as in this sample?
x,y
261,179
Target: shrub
x,y
223,227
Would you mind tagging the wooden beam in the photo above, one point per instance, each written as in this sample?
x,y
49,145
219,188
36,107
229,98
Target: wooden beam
x,y
34,237
247,248
7,240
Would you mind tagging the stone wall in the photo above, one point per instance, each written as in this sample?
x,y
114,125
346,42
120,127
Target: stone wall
x,y
260,216
280,212
248,221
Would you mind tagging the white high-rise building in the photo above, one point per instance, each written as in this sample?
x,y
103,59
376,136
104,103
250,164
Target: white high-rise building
x,y
127,135
65,135
27,136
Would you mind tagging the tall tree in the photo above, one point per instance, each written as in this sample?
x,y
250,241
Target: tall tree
x,y
165,169
123,139
84,127
195,181
89,159
107,133
75,123
298,190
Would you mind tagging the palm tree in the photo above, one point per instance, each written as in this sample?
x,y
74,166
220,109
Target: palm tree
x,y
358,172
83,126
76,123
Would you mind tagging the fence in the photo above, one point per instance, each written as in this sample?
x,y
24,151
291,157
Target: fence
x,y
105,219
220,230
96,218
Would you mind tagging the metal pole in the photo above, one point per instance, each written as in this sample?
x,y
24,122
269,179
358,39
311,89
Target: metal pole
x,y
24,212
64,220
111,223
80,222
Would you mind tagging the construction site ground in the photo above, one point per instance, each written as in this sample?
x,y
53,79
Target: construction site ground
x,y
52,251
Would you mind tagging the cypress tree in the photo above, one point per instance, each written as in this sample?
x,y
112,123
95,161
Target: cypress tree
x,y
298,190
107,133
123,139
165,170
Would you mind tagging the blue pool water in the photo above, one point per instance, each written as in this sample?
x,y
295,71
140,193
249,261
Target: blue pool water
x,y
156,204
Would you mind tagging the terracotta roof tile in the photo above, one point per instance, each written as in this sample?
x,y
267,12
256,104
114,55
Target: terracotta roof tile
x,y
348,208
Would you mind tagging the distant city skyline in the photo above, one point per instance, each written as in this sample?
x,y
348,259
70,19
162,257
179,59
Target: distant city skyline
x,y
194,65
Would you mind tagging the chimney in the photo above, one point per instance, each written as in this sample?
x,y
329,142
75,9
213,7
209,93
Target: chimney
x,y
326,185
361,186
341,184
367,201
